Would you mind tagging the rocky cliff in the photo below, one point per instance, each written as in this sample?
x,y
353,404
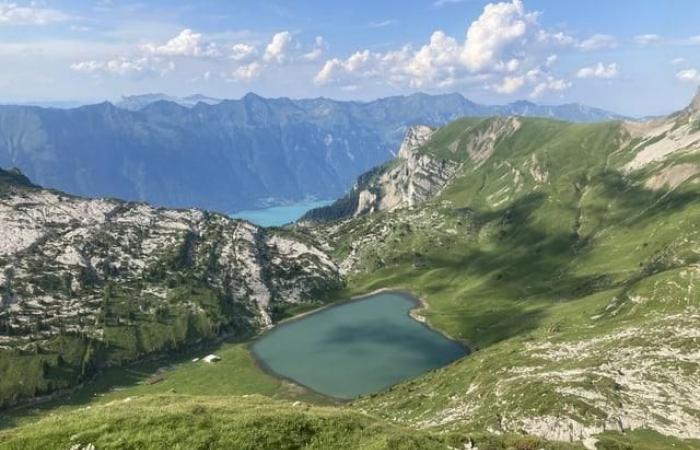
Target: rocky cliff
x,y
412,177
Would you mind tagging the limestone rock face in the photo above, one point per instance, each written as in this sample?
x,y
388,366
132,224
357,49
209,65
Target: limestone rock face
x,y
413,177
415,137
659,139
96,270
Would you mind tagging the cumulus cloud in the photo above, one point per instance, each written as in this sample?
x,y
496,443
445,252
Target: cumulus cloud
x,y
597,42
550,83
187,43
492,37
335,68
241,52
247,72
151,59
245,61
599,70
282,49
14,14
509,85
500,48
278,46
542,81
689,76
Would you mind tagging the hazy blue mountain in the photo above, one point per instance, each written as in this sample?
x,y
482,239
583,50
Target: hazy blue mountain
x,y
137,102
230,155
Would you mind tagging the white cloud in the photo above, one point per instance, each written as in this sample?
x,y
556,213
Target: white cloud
x,y
13,14
505,41
241,52
678,61
317,50
509,85
124,66
151,59
187,43
382,24
435,62
491,37
598,71
597,42
333,69
247,72
550,84
154,58
276,49
646,39
441,3
689,76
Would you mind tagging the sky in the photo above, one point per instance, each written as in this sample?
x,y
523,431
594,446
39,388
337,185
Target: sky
x,y
635,57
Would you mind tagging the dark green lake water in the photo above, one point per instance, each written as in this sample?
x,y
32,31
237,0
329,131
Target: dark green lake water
x,y
356,348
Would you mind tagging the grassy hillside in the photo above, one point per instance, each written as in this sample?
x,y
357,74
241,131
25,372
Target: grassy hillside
x,y
577,283
251,422
574,278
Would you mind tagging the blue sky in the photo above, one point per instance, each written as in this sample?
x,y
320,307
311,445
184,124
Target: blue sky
x,y
636,57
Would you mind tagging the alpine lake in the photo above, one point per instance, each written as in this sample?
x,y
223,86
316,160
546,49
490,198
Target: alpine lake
x,y
355,348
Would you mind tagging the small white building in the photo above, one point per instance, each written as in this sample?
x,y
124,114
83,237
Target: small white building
x,y
211,358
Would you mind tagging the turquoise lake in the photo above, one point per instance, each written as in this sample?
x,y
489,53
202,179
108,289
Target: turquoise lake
x,y
279,215
355,348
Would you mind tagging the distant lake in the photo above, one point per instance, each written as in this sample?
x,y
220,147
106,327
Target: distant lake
x,y
279,215
356,348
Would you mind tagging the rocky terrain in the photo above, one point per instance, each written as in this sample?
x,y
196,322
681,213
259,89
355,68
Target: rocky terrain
x,y
566,256
103,281
415,175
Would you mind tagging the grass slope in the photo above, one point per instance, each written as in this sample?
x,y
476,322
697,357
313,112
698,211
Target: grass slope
x,y
575,283
566,274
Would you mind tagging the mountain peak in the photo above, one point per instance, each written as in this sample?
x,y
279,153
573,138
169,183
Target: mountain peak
x,y
14,177
252,96
523,103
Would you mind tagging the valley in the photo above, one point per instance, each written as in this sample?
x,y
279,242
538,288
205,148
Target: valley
x,y
224,154
566,256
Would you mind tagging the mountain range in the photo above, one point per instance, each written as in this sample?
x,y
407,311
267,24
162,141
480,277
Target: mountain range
x,y
566,256
228,155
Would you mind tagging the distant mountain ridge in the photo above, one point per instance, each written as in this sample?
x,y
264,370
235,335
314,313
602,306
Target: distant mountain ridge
x,y
137,102
574,112
230,155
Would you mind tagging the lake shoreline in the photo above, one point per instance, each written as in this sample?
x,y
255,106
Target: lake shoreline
x,y
413,313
